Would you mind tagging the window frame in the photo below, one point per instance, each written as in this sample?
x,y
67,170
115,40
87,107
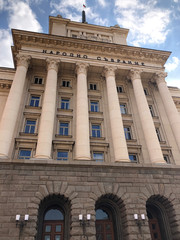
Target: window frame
x,y
67,104
98,159
30,100
61,158
97,131
39,79
65,83
93,86
128,133
134,156
120,89
64,128
94,105
24,149
159,135
30,126
124,108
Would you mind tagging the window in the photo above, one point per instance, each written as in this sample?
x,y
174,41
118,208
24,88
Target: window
x,y
65,103
158,134
38,80
62,155
166,158
94,106
146,91
24,154
30,126
64,128
133,157
96,130
120,89
127,132
92,86
98,156
34,101
123,108
65,83
151,110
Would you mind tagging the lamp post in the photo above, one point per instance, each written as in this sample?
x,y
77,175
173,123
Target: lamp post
x,y
21,223
84,222
139,221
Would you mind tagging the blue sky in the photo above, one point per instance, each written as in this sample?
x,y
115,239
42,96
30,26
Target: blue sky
x,y
153,23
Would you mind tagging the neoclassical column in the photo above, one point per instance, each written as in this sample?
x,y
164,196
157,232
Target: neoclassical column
x,y
82,115
170,108
45,133
117,129
147,123
11,110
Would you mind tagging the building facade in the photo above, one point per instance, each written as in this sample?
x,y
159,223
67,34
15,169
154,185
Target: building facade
x,y
89,138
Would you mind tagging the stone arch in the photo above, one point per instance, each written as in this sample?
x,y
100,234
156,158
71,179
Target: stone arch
x,y
48,189
116,206
163,208
61,202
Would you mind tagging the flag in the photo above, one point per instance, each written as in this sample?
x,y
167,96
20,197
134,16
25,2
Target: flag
x,y
84,5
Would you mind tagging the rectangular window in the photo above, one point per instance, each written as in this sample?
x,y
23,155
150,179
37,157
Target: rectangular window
x,y
30,126
151,110
127,132
166,158
24,154
158,134
38,80
94,106
62,155
65,83
96,130
34,101
123,108
92,86
146,91
133,157
120,89
63,128
65,103
98,156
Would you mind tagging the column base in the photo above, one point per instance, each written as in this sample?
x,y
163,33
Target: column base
x,y
3,156
43,157
83,158
123,160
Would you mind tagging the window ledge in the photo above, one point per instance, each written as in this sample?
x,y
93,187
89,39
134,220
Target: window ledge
x,y
95,112
30,107
66,110
131,140
28,134
97,138
63,136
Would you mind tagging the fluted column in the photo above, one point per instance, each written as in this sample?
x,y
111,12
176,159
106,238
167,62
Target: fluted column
x,y
147,123
170,108
45,133
82,115
117,129
11,110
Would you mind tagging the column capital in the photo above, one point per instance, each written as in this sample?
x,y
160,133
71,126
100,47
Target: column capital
x,y
52,64
160,77
109,71
81,68
135,74
23,60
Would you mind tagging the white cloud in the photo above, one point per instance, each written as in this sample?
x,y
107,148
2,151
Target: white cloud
x,y
22,17
173,82
103,3
5,49
147,23
173,64
176,1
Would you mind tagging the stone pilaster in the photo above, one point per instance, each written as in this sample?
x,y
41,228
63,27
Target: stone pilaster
x,y
11,110
117,129
45,133
170,108
82,115
147,123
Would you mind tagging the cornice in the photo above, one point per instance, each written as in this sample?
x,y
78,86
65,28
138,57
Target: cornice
x,y
49,41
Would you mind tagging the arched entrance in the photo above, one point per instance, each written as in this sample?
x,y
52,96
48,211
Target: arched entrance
x,y
104,225
54,218
157,208
53,224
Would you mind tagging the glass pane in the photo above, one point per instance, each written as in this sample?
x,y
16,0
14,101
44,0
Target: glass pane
x,y
108,237
48,228
58,237
155,236
101,215
99,237
108,227
54,214
98,227
153,226
58,228
47,237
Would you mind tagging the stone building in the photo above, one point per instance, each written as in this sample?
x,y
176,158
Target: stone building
x,y
89,138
